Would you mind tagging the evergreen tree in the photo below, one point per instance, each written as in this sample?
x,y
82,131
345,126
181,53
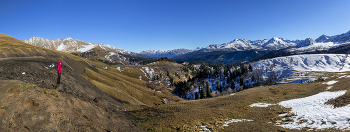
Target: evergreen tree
x,y
241,80
220,88
217,86
233,85
250,68
196,96
202,92
171,79
208,89
242,69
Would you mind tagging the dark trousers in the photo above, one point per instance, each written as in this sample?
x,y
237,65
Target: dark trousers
x,y
59,78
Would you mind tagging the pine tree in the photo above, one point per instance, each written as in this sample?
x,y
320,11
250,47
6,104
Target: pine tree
x,y
220,88
250,68
217,86
233,85
241,80
208,89
202,92
171,79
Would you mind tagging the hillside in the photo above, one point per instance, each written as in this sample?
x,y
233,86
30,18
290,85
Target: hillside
x,y
321,104
99,97
91,98
283,67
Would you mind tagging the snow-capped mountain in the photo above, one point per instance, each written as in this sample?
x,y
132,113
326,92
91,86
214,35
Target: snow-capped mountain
x,y
342,38
306,42
72,45
165,53
97,51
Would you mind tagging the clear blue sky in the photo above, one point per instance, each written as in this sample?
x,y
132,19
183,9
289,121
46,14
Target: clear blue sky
x,y
137,25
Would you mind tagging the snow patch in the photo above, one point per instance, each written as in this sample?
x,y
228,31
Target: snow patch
x,y
61,47
86,48
331,82
316,113
302,64
329,87
261,104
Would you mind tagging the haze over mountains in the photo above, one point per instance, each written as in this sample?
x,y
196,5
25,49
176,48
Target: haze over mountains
x,y
237,47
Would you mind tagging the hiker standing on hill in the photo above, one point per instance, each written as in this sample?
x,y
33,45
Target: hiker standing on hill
x,y
59,71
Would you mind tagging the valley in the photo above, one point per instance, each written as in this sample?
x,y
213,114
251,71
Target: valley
x,y
217,88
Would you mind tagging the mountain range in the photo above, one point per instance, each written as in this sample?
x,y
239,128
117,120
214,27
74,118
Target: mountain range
x,y
234,47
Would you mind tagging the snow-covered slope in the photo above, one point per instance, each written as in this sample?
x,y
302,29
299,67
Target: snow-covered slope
x,y
243,45
342,38
284,66
165,53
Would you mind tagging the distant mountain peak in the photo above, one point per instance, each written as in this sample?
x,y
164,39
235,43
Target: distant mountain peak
x,y
71,45
306,42
69,38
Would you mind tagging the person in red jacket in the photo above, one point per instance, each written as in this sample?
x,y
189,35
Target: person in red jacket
x,y
59,71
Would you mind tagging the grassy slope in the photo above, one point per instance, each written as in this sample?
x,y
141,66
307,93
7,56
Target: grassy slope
x,y
126,87
184,116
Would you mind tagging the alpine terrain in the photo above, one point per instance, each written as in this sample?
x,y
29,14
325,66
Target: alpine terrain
x,y
262,85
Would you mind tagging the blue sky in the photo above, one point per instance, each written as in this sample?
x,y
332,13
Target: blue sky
x,y
137,25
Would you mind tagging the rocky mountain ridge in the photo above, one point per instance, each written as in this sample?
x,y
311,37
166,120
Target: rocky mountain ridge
x,y
275,43
72,45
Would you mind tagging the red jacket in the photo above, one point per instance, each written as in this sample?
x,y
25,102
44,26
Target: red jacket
x,y
59,68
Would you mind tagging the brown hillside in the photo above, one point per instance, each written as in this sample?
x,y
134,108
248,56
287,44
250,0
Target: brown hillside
x,y
31,100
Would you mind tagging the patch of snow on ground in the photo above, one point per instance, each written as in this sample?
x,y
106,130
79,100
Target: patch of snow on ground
x,y
289,65
324,78
314,109
118,68
60,47
86,48
150,72
165,100
52,65
236,120
329,87
302,80
260,105
204,128
331,82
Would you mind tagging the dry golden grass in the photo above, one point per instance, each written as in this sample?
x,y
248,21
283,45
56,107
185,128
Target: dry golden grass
x,y
130,70
186,115
167,66
12,47
116,84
